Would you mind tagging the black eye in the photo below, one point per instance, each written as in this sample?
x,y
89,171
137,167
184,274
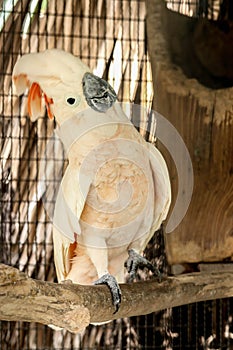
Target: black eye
x,y
71,101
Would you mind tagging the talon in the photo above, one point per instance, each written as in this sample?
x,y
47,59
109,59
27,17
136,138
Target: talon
x,y
135,261
114,289
67,282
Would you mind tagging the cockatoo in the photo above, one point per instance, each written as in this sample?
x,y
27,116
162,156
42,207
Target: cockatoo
x,y
115,192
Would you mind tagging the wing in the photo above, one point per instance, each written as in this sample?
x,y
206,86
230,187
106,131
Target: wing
x,y
162,186
68,209
162,191
63,249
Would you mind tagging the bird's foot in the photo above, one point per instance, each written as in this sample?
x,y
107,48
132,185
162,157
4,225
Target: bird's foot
x,y
135,261
67,282
114,289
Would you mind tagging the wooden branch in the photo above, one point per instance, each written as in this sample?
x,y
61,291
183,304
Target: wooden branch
x,y
73,307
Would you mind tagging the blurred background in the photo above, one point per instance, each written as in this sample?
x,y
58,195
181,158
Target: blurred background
x,y
112,38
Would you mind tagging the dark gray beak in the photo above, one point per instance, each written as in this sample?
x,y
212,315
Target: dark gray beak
x,y
99,95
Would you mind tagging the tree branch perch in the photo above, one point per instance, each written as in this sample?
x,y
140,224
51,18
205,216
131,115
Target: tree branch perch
x,y
73,307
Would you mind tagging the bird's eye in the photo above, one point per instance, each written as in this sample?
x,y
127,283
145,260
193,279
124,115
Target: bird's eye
x,y
72,101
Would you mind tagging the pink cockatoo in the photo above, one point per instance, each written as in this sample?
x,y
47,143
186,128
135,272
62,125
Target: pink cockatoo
x,y
115,192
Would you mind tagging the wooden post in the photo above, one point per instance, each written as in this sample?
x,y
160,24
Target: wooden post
x,y
204,119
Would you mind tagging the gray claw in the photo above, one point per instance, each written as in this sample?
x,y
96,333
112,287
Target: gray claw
x,y
114,289
135,261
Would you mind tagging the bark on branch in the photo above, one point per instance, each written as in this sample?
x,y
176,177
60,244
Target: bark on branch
x,y
73,307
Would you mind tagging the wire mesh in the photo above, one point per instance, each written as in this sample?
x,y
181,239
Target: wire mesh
x,y
213,9
110,37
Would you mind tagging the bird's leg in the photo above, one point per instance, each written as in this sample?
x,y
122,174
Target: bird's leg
x,y
112,284
135,261
100,261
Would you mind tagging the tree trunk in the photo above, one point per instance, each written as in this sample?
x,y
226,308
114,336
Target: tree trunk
x,y
204,119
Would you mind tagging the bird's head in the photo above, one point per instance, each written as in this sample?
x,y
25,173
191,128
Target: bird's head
x,y
61,82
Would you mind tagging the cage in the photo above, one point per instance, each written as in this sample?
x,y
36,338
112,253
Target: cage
x,y
111,38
